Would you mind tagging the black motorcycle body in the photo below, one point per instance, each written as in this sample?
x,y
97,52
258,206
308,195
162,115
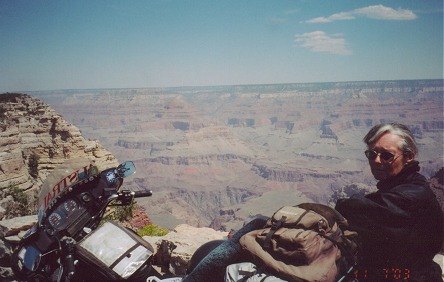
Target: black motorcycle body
x,y
71,241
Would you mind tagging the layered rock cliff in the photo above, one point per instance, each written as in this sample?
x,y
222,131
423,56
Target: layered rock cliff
x,y
33,140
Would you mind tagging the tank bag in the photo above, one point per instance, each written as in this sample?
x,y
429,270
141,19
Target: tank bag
x,y
308,242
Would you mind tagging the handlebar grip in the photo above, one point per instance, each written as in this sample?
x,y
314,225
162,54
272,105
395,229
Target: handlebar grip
x,y
140,194
70,266
68,259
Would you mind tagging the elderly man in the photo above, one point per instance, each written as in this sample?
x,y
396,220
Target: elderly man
x,y
400,225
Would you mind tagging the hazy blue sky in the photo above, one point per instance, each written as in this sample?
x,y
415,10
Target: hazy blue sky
x,y
155,43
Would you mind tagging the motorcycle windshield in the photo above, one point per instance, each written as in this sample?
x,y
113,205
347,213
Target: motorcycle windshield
x,y
61,178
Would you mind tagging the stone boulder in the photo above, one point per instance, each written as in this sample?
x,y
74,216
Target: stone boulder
x,y
12,227
11,231
174,250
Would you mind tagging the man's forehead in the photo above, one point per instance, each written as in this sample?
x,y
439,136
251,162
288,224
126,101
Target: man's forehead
x,y
387,141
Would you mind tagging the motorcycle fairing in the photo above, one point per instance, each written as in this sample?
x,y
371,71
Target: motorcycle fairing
x,y
72,202
61,179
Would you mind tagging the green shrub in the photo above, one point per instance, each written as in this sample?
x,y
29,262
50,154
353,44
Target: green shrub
x,y
33,165
152,230
120,213
18,195
19,206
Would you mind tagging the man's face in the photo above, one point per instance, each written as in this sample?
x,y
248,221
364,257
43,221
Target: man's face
x,y
382,169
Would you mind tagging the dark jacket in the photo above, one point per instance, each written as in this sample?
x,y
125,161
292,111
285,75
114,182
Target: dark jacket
x,y
400,226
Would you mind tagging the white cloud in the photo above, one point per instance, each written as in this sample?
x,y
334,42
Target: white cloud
x,y
381,12
334,17
321,42
378,12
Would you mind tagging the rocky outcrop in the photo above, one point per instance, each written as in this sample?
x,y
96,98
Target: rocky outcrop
x,y
11,231
174,250
195,160
139,219
209,203
34,139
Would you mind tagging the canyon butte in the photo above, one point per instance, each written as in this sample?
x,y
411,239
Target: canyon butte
x,y
214,156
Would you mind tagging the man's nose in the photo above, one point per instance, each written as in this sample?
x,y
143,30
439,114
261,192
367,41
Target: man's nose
x,y
378,159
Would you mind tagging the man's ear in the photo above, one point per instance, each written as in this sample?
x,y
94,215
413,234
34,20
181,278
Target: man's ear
x,y
409,156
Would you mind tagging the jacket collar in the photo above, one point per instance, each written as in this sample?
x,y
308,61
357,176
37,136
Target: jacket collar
x,y
408,170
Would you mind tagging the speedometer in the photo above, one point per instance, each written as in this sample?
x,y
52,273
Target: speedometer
x,y
55,219
70,205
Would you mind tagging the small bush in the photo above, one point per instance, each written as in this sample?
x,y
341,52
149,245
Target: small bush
x,y
18,195
19,206
153,230
120,213
33,165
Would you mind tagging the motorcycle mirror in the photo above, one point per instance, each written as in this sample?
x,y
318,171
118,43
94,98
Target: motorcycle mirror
x,y
126,169
31,257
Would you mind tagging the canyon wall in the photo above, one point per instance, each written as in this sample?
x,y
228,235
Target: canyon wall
x,y
33,140
285,142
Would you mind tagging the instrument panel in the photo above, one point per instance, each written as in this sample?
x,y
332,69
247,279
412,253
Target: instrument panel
x,y
59,218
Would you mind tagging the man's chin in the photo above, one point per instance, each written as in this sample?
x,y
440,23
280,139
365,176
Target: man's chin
x,y
379,175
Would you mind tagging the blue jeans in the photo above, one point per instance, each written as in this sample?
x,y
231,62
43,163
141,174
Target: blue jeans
x,y
212,267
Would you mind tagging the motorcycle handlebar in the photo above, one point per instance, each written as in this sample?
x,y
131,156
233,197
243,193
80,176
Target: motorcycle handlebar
x,y
140,194
68,260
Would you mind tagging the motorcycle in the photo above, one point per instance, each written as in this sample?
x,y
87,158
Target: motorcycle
x,y
71,240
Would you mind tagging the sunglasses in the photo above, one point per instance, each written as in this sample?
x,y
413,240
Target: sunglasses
x,y
385,156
